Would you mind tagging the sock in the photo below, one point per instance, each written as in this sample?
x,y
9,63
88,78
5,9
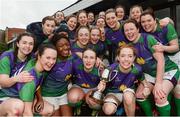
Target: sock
x,y
177,106
78,104
164,110
77,109
146,106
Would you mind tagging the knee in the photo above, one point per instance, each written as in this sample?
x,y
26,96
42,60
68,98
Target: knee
x,y
161,101
109,108
129,102
75,94
17,108
110,104
48,111
128,98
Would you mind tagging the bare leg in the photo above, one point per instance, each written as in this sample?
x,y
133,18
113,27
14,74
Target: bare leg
x,y
48,109
65,110
12,107
162,103
129,103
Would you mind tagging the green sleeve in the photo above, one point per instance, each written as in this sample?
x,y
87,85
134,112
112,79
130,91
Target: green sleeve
x,y
141,77
151,42
5,66
138,73
107,42
171,34
27,92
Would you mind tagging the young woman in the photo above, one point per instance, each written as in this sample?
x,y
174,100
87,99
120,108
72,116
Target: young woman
x,y
168,38
14,59
25,91
136,11
82,18
102,14
90,17
10,63
86,78
120,13
121,88
161,73
59,17
82,40
42,30
55,87
114,35
72,23
100,22
166,35
95,43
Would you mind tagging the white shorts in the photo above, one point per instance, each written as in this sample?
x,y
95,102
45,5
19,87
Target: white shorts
x,y
57,101
119,96
167,76
176,58
4,99
84,89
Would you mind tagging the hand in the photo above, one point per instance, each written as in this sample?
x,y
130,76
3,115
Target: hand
x,y
38,107
24,77
164,22
90,101
99,62
159,47
158,91
101,86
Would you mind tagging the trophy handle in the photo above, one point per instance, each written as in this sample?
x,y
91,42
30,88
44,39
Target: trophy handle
x,y
113,71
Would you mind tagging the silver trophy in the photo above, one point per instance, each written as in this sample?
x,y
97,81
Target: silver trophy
x,y
105,77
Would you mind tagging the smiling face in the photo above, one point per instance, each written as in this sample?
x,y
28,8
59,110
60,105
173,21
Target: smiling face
x,y
89,59
63,47
148,23
95,35
100,23
111,20
83,36
126,58
71,23
59,16
120,13
102,14
135,13
131,31
25,45
48,27
90,17
82,19
47,59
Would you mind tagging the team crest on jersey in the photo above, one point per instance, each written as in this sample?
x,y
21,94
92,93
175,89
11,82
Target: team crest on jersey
x,y
122,87
140,61
121,43
85,85
67,77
